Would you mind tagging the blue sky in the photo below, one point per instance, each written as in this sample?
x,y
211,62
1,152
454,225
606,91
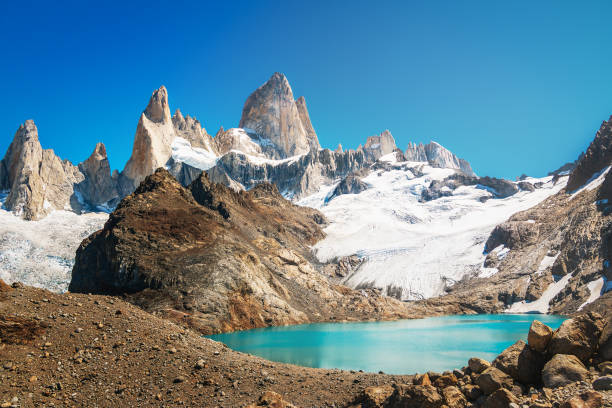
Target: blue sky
x,y
513,87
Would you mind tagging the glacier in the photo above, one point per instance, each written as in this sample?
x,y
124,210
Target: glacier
x,y
412,249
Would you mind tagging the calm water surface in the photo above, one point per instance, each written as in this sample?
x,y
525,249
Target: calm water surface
x,y
399,347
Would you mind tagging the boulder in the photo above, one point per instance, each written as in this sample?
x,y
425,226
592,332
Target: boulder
x,y
563,369
421,379
588,399
603,383
271,399
473,392
375,396
539,336
445,380
478,365
493,379
454,398
578,336
501,398
416,396
513,235
605,368
521,363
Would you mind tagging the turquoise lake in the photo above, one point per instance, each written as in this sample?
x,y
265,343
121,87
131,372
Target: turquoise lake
x,y
398,347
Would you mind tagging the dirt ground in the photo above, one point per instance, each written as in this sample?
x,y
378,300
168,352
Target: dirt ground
x,y
99,351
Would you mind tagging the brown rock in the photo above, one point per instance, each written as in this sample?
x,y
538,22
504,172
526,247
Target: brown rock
x,y
563,369
578,336
493,379
539,336
603,383
454,398
478,365
165,245
588,399
501,398
375,396
521,363
416,396
605,368
272,399
471,391
445,380
422,379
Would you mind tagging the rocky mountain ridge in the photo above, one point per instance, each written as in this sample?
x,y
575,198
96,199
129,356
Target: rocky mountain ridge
x,y
276,142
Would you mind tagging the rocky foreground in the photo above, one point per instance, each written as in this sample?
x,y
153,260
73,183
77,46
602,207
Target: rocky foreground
x,y
92,350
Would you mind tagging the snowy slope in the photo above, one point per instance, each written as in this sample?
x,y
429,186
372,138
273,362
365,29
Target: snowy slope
x,y
413,249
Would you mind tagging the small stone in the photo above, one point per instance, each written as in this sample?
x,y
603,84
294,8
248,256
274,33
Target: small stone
x,y
603,383
33,378
200,364
179,379
172,350
78,330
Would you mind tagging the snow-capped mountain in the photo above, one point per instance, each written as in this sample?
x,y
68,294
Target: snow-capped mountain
x,y
414,221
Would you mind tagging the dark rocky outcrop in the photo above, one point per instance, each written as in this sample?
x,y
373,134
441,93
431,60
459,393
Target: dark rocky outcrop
x,y
597,156
216,259
351,184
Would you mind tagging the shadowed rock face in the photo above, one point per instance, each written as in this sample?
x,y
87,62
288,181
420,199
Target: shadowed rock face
x,y
98,187
273,114
216,259
597,157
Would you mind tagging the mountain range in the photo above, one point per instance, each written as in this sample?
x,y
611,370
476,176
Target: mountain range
x,y
362,229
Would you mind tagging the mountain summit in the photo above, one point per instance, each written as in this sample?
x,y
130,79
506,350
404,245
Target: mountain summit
x,y
273,114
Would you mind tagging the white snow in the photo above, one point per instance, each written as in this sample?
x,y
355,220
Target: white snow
x,y
417,247
542,304
546,263
262,160
595,181
596,289
41,253
183,152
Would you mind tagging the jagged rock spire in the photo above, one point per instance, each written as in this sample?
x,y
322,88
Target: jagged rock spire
x,y
273,114
152,143
158,109
313,140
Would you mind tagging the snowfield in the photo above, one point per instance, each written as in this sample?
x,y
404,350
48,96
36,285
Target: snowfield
x,y
41,253
414,249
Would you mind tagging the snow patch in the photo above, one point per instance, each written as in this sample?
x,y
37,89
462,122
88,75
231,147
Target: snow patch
x,y
543,303
596,290
183,152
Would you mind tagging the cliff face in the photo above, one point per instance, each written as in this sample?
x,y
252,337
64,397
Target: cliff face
x,y
216,259
152,143
273,114
38,180
596,158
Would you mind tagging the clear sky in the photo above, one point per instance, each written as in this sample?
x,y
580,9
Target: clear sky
x,y
513,87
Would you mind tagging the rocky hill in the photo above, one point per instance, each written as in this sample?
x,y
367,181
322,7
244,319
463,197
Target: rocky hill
x,y
218,260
